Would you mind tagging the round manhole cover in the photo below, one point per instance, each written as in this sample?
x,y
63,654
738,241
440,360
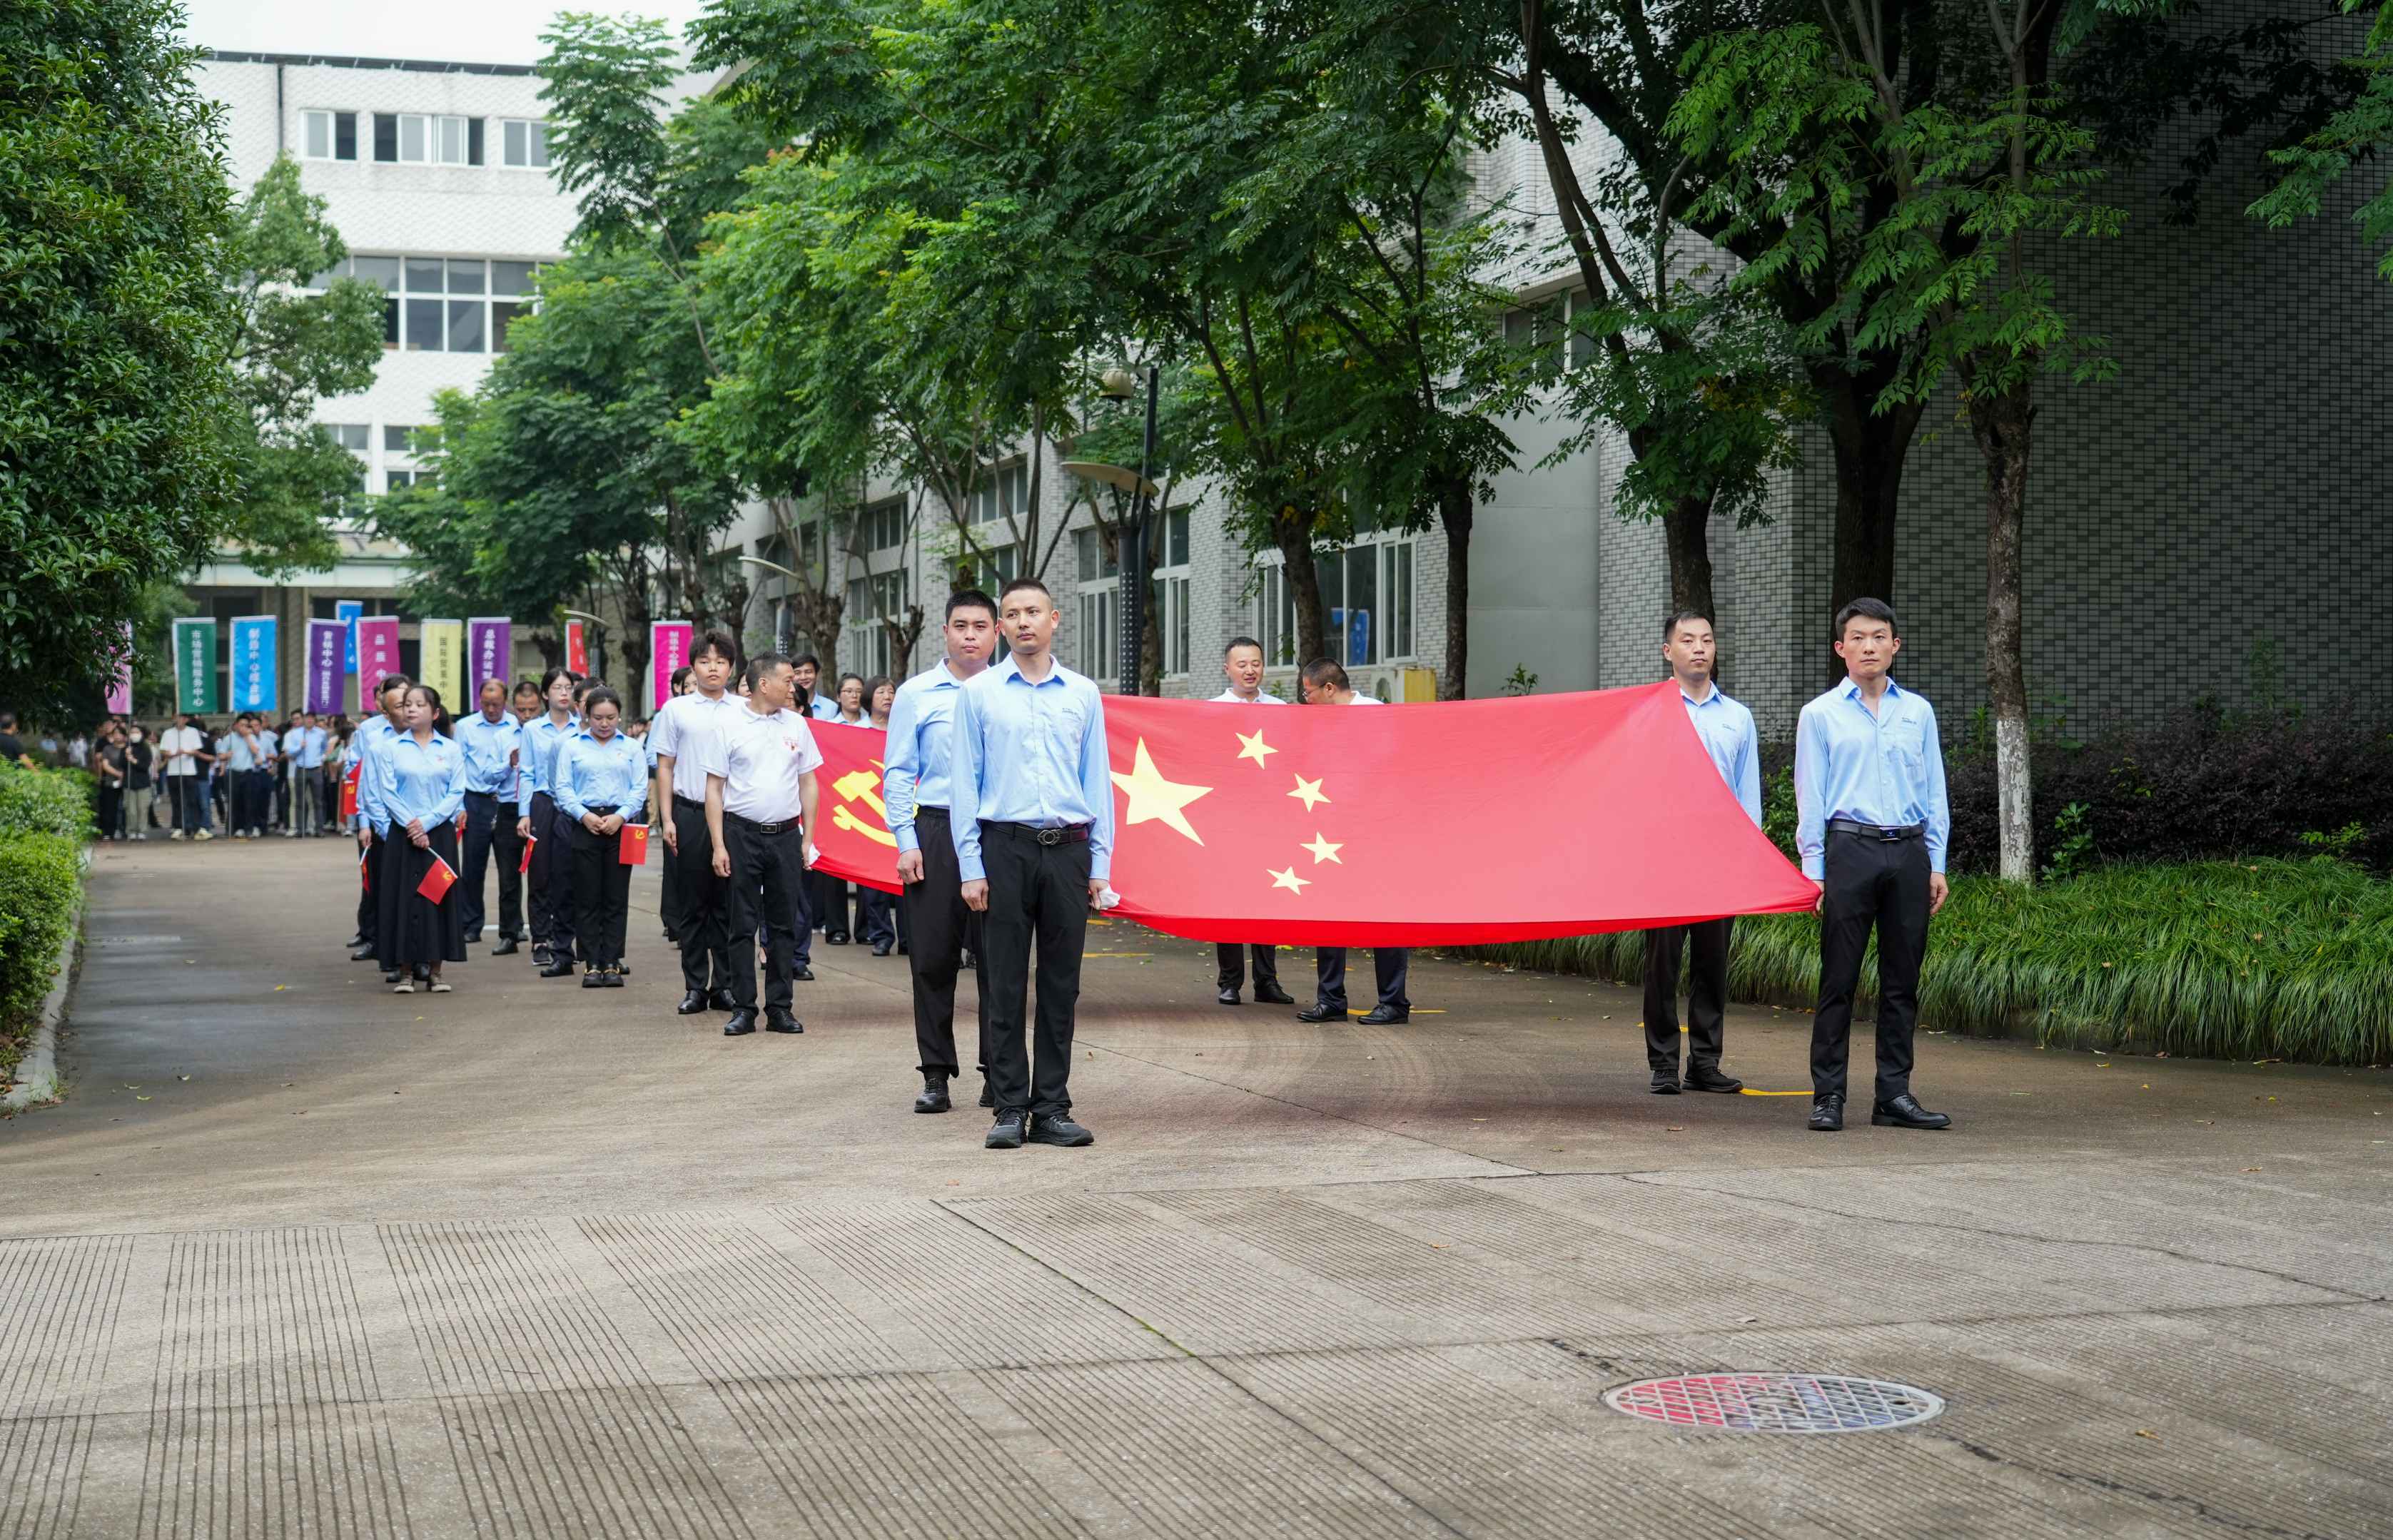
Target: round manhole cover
x,y
1776,1402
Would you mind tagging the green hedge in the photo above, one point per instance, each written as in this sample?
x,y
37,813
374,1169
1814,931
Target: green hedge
x,y
2273,959
45,818
44,802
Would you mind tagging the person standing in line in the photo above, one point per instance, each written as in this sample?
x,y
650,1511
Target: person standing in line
x,y
368,741
263,776
506,844
235,757
1242,666
829,893
1726,731
549,895
759,762
305,773
696,900
877,913
668,904
140,782
917,788
1324,683
1871,826
488,739
179,747
107,767
286,745
597,779
1032,804
419,779
811,703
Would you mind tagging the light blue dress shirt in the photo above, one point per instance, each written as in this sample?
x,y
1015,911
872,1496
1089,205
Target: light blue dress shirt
x,y
366,743
590,774
1885,768
310,752
921,740
823,709
237,754
270,743
1026,754
534,749
488,746
1727,730
416,780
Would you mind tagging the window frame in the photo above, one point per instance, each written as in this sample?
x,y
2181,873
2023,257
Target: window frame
x,y
533,132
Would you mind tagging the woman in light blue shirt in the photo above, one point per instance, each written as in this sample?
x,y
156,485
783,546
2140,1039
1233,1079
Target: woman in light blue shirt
x,y
420,788
601,783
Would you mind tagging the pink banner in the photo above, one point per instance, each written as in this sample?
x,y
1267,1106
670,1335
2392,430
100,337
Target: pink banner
x,y
490,653
377,658
328,645
668,650
120,686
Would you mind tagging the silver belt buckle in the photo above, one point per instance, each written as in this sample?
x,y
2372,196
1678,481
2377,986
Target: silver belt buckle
x,y
1050,836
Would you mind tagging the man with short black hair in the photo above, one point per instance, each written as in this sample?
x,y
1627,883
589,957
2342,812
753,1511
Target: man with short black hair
x,y
696,901
807,670
1872,820
1242,666
1726,731
760,799
1324,683
489,740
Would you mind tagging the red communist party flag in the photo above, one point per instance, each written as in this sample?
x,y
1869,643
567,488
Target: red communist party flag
x,y
632,849
437,880
1454,823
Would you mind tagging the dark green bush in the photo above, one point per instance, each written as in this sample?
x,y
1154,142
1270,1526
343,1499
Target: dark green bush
x,y
44,802
40,880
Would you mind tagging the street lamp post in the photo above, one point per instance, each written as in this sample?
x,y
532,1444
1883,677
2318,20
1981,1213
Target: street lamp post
x,y
1131,609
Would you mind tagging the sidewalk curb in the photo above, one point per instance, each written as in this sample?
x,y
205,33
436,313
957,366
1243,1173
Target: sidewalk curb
x,y
37,1072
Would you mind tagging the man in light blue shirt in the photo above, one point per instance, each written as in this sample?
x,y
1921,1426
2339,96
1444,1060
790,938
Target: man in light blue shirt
x,y
1725,729
822,708
488,739
916,789
1031,816
305,773
1871,827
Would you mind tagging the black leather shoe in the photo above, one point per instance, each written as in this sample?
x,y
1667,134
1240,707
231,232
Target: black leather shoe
x,y
1319,1013
837,938
779,1020
803,973
903,950
1227,996
390,975
358,940
362,954
935,1093
721,1000
742,1022
473,938
1709,1077
1665,1082
880,948
1006,1133
594,978
624,969
1059,1130
987,1097
1272,994
1827,1115
1904,1112
507,946
691,1003
541,956
1379,1015
561,968
614,977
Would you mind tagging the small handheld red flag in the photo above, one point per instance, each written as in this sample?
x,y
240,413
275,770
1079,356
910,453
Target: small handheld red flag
x,y
635,849
525,865
438,881
365,873
349,794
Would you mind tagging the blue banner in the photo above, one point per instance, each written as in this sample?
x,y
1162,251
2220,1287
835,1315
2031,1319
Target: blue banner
x,y
348,612
255,664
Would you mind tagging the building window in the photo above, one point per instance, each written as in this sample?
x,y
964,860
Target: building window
x,y
397,438
1095,626
1555,330
871,600
884,525
457,142
1004,493
392,480
523,142
1367,591
443,304
352,436
329,136
403,137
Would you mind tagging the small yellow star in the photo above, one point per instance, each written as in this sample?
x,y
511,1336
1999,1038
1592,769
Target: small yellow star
x,y
1288,880
1309,792
1323,850
1152,797
1255,747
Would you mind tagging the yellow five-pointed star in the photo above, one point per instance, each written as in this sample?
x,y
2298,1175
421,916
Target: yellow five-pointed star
x,y
1309,792
1153,797
1255,747
1323,850
1288,880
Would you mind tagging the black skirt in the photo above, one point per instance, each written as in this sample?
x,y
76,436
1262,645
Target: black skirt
x,y
412,931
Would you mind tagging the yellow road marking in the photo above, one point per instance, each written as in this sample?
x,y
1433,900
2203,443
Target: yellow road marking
x,y
1117,954
1365,1010
1748,1090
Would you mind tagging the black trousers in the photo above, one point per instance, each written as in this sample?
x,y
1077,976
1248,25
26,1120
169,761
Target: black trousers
x,y
694,900
940,928
1706,993
184,802
768,873
1870,882
1390,965
827,902
369,900
1230,964
490,829
1036,893
602,894
876,915
550,894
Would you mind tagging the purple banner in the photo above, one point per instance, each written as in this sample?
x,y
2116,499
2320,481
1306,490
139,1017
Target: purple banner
x,y
490,654
378,659
328,647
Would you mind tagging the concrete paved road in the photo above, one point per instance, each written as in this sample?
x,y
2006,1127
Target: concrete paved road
x,y
302,1256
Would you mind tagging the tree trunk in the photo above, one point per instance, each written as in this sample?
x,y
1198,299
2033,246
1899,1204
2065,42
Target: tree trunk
x,y
1455,512
1870,449
1686,535
2003,425
1294,535
552,649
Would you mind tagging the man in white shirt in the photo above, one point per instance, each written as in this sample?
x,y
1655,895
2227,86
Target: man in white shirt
x,y
695,898
183,752
1325,683
1242,665
759,768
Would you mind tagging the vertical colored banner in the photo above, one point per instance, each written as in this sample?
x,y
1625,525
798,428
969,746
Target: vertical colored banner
x,y
490,653
328,647
377,657
195,666
668,650
443,646
120,683
257,666
348,612
577,648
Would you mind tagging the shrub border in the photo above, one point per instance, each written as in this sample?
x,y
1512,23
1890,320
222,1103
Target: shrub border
x,y
37,1072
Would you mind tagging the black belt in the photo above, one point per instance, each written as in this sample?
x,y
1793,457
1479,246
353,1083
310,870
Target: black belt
x,y
1877,831
694,801
785,826
1046,834
602,812
920,812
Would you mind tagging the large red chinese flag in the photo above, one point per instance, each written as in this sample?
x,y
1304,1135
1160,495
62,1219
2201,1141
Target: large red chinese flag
x,y
1464,821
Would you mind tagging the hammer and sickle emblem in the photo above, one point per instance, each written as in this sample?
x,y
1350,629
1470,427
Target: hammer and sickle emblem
x,y
864,784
